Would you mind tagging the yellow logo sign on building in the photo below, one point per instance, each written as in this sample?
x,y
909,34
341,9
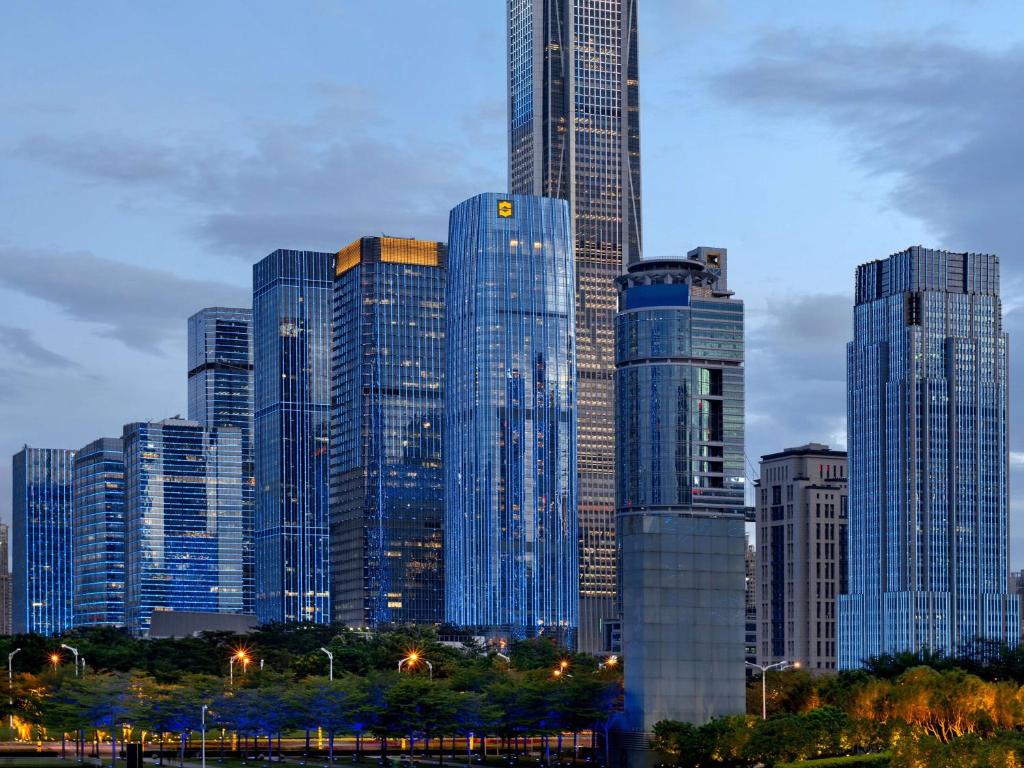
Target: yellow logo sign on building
x,y
505,209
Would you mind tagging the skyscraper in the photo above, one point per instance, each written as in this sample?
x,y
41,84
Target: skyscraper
x,y
680,489
5,582
574,134
801,555
511,567
929,459
43,566
292,296
220,395
183,510
387,486
99,526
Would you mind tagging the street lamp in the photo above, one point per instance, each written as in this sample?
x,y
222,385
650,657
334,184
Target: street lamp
x,y
765,668
10,684
504,658
203,715
239,655
611,661
413,659
75,652
330,658
55,660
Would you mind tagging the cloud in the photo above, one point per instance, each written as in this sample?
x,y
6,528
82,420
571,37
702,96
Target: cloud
x,y
139,306
345,173
796,363
942,119
19,343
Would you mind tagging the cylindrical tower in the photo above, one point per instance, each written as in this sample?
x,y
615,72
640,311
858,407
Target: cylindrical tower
x,y
511,565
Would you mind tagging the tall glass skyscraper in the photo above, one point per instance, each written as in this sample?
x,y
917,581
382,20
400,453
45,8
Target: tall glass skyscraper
x,y
220,395
183,519
387,487
680,489
42,571
99,527
292,296
929,457
574,134
511,561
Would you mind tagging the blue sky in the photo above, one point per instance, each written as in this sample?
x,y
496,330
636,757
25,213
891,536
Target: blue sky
x,y
150,153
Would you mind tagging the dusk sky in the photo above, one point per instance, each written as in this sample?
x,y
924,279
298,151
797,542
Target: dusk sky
x,y
151,152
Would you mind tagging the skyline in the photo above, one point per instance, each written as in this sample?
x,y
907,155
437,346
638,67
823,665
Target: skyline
x,y
149,188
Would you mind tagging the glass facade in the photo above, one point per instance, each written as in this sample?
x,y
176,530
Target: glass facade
x,y
98,523
511,560
183,511
387,487
220,395
574,134
292,297
928,411
679,417
42,564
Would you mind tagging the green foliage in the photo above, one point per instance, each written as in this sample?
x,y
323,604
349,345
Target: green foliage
x,y
851,761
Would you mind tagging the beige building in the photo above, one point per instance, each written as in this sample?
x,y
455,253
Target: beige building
x,y
801,555
5,583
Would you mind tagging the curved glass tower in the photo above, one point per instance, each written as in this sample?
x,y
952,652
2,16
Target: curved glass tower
x,y
511,557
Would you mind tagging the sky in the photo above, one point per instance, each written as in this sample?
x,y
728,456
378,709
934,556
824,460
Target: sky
x,y
150,153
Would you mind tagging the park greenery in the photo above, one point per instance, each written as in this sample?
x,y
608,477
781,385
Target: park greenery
x,y
906,711
278,693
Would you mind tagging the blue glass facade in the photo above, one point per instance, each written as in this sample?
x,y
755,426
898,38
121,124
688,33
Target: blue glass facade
x,y
928,527
292,297
99,526
680,489
387,487
220,395
511,546
42,567
574,134
183,511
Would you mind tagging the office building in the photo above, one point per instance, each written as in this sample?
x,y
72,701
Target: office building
x,y
680,490
929,459
1017,590
511,561
292,296
183,512
220,395
42,568
387,486
801,503
99,526
750,607
5,582
574,134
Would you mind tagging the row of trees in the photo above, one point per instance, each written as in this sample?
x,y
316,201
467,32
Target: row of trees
x,y
921,716
537,690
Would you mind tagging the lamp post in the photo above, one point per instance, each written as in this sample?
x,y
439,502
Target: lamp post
x,y
10,685
611,661
241,656
504,658
203,716
75,652
330,658
765,668
413,659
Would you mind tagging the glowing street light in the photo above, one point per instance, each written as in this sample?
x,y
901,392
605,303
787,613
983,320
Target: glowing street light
x,y
611,661
765,668
55,660
242,656
413,659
